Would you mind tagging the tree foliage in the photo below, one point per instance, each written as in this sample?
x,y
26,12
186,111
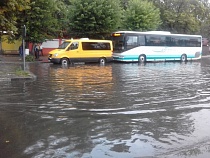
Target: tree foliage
x,y
88,17
43,19
8,14
181,16
141,16
204,29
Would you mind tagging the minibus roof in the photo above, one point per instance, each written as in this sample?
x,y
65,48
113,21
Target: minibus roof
x,y
88,40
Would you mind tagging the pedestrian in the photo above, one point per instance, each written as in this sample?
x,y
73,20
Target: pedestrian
x,y
21,51
36,51
40,49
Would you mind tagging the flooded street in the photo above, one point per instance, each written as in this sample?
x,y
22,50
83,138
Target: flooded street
x,y
156,110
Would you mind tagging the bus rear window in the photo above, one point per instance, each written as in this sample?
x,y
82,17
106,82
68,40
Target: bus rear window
x,y
96,46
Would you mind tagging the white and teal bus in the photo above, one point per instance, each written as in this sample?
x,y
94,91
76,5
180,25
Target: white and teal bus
x,y
133,46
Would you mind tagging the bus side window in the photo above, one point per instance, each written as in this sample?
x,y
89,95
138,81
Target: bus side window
x,y
193,42
168,41
131,42
175,41
153,40
181,42
142,40
148,40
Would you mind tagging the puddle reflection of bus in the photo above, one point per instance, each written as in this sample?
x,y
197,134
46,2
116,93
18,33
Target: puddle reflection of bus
x,y
158,70
83,79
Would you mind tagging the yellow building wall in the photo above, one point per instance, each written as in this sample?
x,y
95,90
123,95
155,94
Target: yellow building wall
x,y
10,48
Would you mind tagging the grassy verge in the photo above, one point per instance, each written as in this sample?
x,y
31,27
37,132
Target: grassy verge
x,y
20,72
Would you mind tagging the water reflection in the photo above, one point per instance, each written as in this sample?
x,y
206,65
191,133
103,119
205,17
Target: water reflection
x,y
115,110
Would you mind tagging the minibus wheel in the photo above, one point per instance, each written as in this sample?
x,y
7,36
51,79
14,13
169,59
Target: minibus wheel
x,y
184,58
64,61
102,60
142,58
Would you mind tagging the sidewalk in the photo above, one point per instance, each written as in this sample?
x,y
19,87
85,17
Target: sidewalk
x,y
16,58
9,65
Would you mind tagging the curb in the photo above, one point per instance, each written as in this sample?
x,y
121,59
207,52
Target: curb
x,y
31,77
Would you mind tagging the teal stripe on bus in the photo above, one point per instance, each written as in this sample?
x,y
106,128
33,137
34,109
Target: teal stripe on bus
x,y
153,57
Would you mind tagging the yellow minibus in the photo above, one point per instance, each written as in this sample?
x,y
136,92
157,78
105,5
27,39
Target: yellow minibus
x,y
82,50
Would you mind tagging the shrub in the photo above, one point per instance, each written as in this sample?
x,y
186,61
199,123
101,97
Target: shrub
x,y
29,58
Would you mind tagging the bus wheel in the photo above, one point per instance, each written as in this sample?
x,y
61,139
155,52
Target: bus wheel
x,y
142,58
183,58
102,61
65,61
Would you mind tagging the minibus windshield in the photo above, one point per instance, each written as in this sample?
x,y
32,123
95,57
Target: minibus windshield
x,y
64,45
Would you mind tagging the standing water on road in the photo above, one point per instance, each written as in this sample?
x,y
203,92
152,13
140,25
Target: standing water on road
x,y
116,110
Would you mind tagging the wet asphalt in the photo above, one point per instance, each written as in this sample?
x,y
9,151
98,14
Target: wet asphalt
x,y
10,63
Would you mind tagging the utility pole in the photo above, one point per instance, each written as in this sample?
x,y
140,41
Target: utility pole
x,y
24,36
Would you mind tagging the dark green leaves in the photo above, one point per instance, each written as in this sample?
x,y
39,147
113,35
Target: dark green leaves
x,y
141,16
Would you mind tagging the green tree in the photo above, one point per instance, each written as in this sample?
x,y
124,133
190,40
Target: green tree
x,y
205,18
9,9
92,18
124,3
43,20
181,16
141,16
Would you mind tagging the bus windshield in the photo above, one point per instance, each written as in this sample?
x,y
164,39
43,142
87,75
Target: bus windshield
x,y
64,45
118,43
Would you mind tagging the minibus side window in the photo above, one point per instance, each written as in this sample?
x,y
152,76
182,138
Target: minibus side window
x,y
96,46
73,46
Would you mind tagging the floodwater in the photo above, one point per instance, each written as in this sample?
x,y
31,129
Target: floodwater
x,y
119,110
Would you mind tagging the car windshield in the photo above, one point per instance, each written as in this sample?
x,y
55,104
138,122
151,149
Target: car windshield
x,y
64,45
